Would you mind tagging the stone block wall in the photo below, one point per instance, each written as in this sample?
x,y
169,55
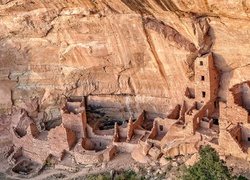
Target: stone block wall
x,y
130,130
195,116
88,158
206,79
73,122
139,120
245,132
206,124
182,111
71,138
153,132
175,114
38,149
109,153
233,113
236,133
230,145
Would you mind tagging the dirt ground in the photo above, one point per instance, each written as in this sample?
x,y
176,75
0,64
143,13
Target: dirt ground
x,y
119,162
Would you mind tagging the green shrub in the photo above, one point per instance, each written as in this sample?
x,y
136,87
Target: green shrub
x,y
168,158
124,175
209,167
103,176
242,178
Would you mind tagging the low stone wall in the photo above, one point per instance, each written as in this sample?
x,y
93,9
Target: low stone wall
x,y
88,158
92,157
125,147
206,124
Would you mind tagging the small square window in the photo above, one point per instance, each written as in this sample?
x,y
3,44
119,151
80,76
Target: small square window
x,y
201,63
203,94
203,78
161,127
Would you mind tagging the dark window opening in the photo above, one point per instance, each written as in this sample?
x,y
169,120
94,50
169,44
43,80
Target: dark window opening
x,y
237,138
215,104
248,139
216,121
203,94
201,63
161,127
202,78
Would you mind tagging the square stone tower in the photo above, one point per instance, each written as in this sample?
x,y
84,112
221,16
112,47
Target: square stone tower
x,y
206,79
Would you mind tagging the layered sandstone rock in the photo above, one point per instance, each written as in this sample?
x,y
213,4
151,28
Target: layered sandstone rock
x,y
126,56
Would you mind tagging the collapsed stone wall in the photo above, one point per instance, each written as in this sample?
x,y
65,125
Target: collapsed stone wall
x,y
234,148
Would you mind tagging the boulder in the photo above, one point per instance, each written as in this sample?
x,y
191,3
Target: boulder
x,y
155,152
192,160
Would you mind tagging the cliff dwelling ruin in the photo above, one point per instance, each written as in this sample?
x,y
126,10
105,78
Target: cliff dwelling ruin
x,y
84,83
201,118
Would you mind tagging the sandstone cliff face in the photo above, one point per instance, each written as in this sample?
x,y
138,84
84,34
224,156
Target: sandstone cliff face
x,y
125,55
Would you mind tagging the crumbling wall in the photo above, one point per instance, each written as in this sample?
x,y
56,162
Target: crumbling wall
x,y
236,133
22,123
122,132
116,133
179,143
182,111
87,144
153,132
206,124
195,116
38,149
130,130
88,158
92,157
73,122
101,143
233,113
125,147
164,124
230,145
109,153
58,140
139,120
245,132
84,122
134,125
71,138
240,95
175,114
34,131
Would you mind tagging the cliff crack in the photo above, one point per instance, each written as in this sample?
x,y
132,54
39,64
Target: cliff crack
x,y
152,49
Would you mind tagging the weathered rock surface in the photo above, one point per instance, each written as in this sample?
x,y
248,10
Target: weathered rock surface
x,y
126,56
